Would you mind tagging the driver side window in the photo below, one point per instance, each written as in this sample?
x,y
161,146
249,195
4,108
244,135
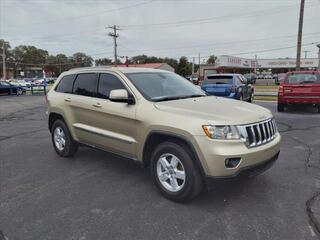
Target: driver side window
x,y
108,82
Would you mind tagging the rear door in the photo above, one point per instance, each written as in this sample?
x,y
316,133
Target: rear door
x,y
218,85
304,86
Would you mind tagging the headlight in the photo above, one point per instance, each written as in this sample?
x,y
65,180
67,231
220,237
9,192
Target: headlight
x,y
221,132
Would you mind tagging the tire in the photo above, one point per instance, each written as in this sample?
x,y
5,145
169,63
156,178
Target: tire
x,y
250,100
185,188
19,92
280,107
62,141
241,97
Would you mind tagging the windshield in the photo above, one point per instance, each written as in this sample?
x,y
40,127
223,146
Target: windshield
x,y
304,78
161,86
218,80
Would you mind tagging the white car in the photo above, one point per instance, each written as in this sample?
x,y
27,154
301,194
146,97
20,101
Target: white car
x,y
21,83
38,82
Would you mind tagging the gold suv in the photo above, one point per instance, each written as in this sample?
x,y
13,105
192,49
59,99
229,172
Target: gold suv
x,y
163,121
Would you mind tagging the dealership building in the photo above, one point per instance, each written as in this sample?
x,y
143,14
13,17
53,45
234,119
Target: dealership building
x,y
282,65
231,64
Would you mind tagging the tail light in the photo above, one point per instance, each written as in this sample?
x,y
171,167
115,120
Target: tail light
x,y
281,90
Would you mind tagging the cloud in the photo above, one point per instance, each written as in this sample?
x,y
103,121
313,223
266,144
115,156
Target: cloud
x,y
68,26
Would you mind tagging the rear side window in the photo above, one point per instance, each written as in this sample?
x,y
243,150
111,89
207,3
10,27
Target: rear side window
x,y
304,78
108,82
218,80
86,84
65,84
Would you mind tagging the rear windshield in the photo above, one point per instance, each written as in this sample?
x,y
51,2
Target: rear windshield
x,y
218,80
304,78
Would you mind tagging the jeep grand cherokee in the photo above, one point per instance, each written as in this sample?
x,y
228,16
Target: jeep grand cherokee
x,y
163,121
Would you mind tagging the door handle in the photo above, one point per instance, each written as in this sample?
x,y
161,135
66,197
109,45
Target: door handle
x,y
67,99
97,105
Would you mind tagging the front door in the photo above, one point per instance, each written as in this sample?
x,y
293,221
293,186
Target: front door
x,y
101,122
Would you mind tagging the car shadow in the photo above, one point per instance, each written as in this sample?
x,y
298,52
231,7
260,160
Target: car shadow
x,y
301,109
214,193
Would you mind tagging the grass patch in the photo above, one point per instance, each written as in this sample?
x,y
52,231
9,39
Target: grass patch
x,y
266,86
266,98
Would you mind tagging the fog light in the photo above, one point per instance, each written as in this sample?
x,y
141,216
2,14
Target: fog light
x,y
232,162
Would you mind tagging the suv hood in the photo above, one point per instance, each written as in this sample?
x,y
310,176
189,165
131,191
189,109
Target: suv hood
x,y
216,110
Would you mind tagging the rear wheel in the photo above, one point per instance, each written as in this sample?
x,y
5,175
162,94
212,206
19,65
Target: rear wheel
x,y
62,141
19,92
250,100
175,173
281,107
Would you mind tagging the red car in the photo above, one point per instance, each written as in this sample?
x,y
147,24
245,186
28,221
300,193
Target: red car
x,y
299,87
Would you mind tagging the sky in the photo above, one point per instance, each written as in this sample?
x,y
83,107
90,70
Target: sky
x,y
163,28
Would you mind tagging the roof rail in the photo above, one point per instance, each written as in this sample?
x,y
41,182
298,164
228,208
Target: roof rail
x,y
88,68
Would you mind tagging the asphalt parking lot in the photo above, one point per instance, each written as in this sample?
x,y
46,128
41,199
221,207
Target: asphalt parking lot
x,y
97,195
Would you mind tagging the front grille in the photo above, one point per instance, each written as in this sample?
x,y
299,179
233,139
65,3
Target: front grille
x,y
259,133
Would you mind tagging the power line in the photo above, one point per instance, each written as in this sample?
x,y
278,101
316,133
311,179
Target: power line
x,y
87,15
221,43
265,50
212,19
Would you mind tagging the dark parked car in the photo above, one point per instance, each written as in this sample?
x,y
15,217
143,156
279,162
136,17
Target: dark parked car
x,y
299,87
234,86
10,89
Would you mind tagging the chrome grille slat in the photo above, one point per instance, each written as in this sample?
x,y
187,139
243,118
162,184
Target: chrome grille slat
x,y
264,133
268,130
254,136
260,136
260,133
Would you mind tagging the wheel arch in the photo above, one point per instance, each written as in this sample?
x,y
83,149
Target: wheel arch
x,y
53,116
154,138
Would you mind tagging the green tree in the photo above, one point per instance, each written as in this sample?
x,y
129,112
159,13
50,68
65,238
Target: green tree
x,y
103,61
30,56
212,60
184,67
81,60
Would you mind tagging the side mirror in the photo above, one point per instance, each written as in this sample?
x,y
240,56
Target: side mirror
x,y
120,95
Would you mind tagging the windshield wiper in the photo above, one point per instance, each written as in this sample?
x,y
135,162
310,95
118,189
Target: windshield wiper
x,y
166,98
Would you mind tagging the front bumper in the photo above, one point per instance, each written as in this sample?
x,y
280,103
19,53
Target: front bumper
x,y
213,155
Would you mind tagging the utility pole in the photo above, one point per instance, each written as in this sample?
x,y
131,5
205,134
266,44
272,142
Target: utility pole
x,y
306,54
298,60
4,73
319,57
192,66
199,68
255,64
115,36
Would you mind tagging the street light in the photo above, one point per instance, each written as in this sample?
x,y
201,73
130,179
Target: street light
x,y
319,56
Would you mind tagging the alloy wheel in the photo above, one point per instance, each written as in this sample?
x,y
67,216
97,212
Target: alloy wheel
x,y
171,172
59,138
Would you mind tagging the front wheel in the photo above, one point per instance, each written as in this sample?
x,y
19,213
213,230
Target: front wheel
x,y
62,141
175,173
